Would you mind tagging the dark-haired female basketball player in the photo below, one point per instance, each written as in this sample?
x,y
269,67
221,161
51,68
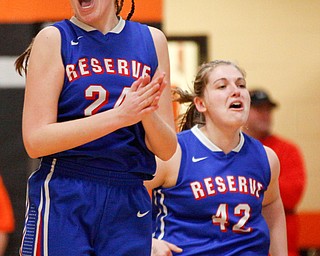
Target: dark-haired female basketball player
x,y
94,115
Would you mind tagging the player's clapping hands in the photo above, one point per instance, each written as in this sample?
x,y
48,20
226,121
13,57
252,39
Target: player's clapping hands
x,y
141,99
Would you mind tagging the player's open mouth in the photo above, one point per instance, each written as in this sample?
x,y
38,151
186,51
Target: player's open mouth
x,y
85,3
236,105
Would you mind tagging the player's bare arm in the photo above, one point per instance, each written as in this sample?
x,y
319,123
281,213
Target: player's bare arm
x,y
159,126
273,210
42,134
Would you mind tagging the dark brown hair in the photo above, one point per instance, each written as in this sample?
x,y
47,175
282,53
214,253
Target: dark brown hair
x,y
119,5
21,63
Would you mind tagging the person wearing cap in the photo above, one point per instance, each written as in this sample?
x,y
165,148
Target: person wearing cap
x,y
292,178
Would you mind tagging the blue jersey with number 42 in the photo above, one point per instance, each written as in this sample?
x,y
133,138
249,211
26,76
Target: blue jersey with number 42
x,y
215,207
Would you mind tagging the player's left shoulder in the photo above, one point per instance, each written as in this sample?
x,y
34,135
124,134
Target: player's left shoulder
x,y
270,153
273,160
157,35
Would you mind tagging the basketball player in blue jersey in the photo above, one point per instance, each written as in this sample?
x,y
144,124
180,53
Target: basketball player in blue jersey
x,y
97,110
219,193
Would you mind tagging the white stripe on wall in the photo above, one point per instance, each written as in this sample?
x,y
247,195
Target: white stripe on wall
x,y
9,78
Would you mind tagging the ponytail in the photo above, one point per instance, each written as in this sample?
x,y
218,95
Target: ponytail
x,y
21,63
192,116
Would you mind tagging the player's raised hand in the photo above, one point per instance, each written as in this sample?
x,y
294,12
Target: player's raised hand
x,y
141,99
158,80
162,82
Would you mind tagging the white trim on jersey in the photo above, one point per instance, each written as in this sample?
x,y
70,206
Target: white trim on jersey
x,y
47,209
209,144
163,209
117,29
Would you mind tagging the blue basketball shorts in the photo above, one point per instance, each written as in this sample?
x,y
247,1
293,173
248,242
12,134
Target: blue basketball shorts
x,y
73,211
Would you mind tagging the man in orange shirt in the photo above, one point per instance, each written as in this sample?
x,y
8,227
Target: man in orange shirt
x,y
292,178
6,218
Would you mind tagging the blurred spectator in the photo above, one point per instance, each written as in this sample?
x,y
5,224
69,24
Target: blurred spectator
x,y
6,218
292,178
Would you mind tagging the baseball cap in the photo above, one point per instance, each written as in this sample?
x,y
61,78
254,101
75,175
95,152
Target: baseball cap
x,y
259,97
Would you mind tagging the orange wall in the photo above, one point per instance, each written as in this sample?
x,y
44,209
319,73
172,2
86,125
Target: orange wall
x,y
309,226
22,11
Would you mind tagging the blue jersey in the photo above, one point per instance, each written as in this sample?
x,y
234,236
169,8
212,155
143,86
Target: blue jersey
x,y
97,79
215,207
90,200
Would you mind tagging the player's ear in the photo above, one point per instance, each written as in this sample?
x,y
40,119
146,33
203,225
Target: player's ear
x,y
200,104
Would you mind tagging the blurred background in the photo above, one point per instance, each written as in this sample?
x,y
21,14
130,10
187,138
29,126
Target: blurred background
x,y
277,42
